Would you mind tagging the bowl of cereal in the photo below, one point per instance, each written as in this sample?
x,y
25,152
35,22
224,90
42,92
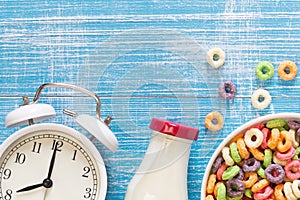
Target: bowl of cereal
x,y
259,160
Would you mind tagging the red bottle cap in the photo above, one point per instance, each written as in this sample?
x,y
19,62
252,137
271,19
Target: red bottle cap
x,y
175,129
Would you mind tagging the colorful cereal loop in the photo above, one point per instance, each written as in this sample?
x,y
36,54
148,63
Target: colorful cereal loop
x,y
296,156
264,70
250,179
230,172
226,156
211,184
221,171
266,133
273,141
295,143
221,192
214,121
215,57
286,155
257,154
234,152
278,191
292,169
253,138
287,70
260,185
267,158
284,142
261,99
275,123
263,194
287,189
243,151
295,188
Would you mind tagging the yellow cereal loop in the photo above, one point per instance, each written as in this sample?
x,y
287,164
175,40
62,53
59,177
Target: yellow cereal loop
x,y
278,191
211,184
257,154
214,121
242,149
284,142
260,185
250,179
273,141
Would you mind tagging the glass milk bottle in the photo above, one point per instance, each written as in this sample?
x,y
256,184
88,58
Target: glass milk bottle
x,y
162,174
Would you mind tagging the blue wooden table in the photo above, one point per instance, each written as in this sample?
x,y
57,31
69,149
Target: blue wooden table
x,y
146,58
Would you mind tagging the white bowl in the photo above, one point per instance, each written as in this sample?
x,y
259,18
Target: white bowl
x,y
284,116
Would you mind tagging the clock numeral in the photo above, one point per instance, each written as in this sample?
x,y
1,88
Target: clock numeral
x,y
6,174
8,194
86,172
20,158
57,144
36,147
88,193
74,155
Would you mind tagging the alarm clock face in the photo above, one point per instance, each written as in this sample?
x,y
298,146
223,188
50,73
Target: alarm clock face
x,y
50,162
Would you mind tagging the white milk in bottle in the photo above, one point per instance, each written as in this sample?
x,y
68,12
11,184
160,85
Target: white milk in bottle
x,y
162,174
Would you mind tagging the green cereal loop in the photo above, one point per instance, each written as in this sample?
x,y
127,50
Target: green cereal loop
x,y
264,70
276,123
281,129
248,193
261,172
296,154
230,172
221,192
286,127
234,153
267,158
234,198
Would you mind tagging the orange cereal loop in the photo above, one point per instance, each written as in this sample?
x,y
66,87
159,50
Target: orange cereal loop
x,y
250,179
278,192
285,141
260,185
242,149
273,141
214,121
211,184
209,197
257,154
235,138
287,70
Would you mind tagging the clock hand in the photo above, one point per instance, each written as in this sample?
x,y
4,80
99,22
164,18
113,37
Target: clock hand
x,y
47,183
31,187
52,162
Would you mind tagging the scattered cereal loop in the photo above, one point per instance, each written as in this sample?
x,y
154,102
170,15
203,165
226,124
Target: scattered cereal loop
x,y
264,70
227,90
287,70
214,121
215,57
261,99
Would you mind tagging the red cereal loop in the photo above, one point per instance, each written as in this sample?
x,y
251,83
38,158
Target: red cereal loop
x,y
266,133
263,194
220,171
260,126
292,169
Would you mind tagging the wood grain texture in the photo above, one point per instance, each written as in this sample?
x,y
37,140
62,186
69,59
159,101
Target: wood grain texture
x,y
147,59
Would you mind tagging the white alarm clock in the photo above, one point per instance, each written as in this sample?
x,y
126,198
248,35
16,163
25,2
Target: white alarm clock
x,y
49,161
